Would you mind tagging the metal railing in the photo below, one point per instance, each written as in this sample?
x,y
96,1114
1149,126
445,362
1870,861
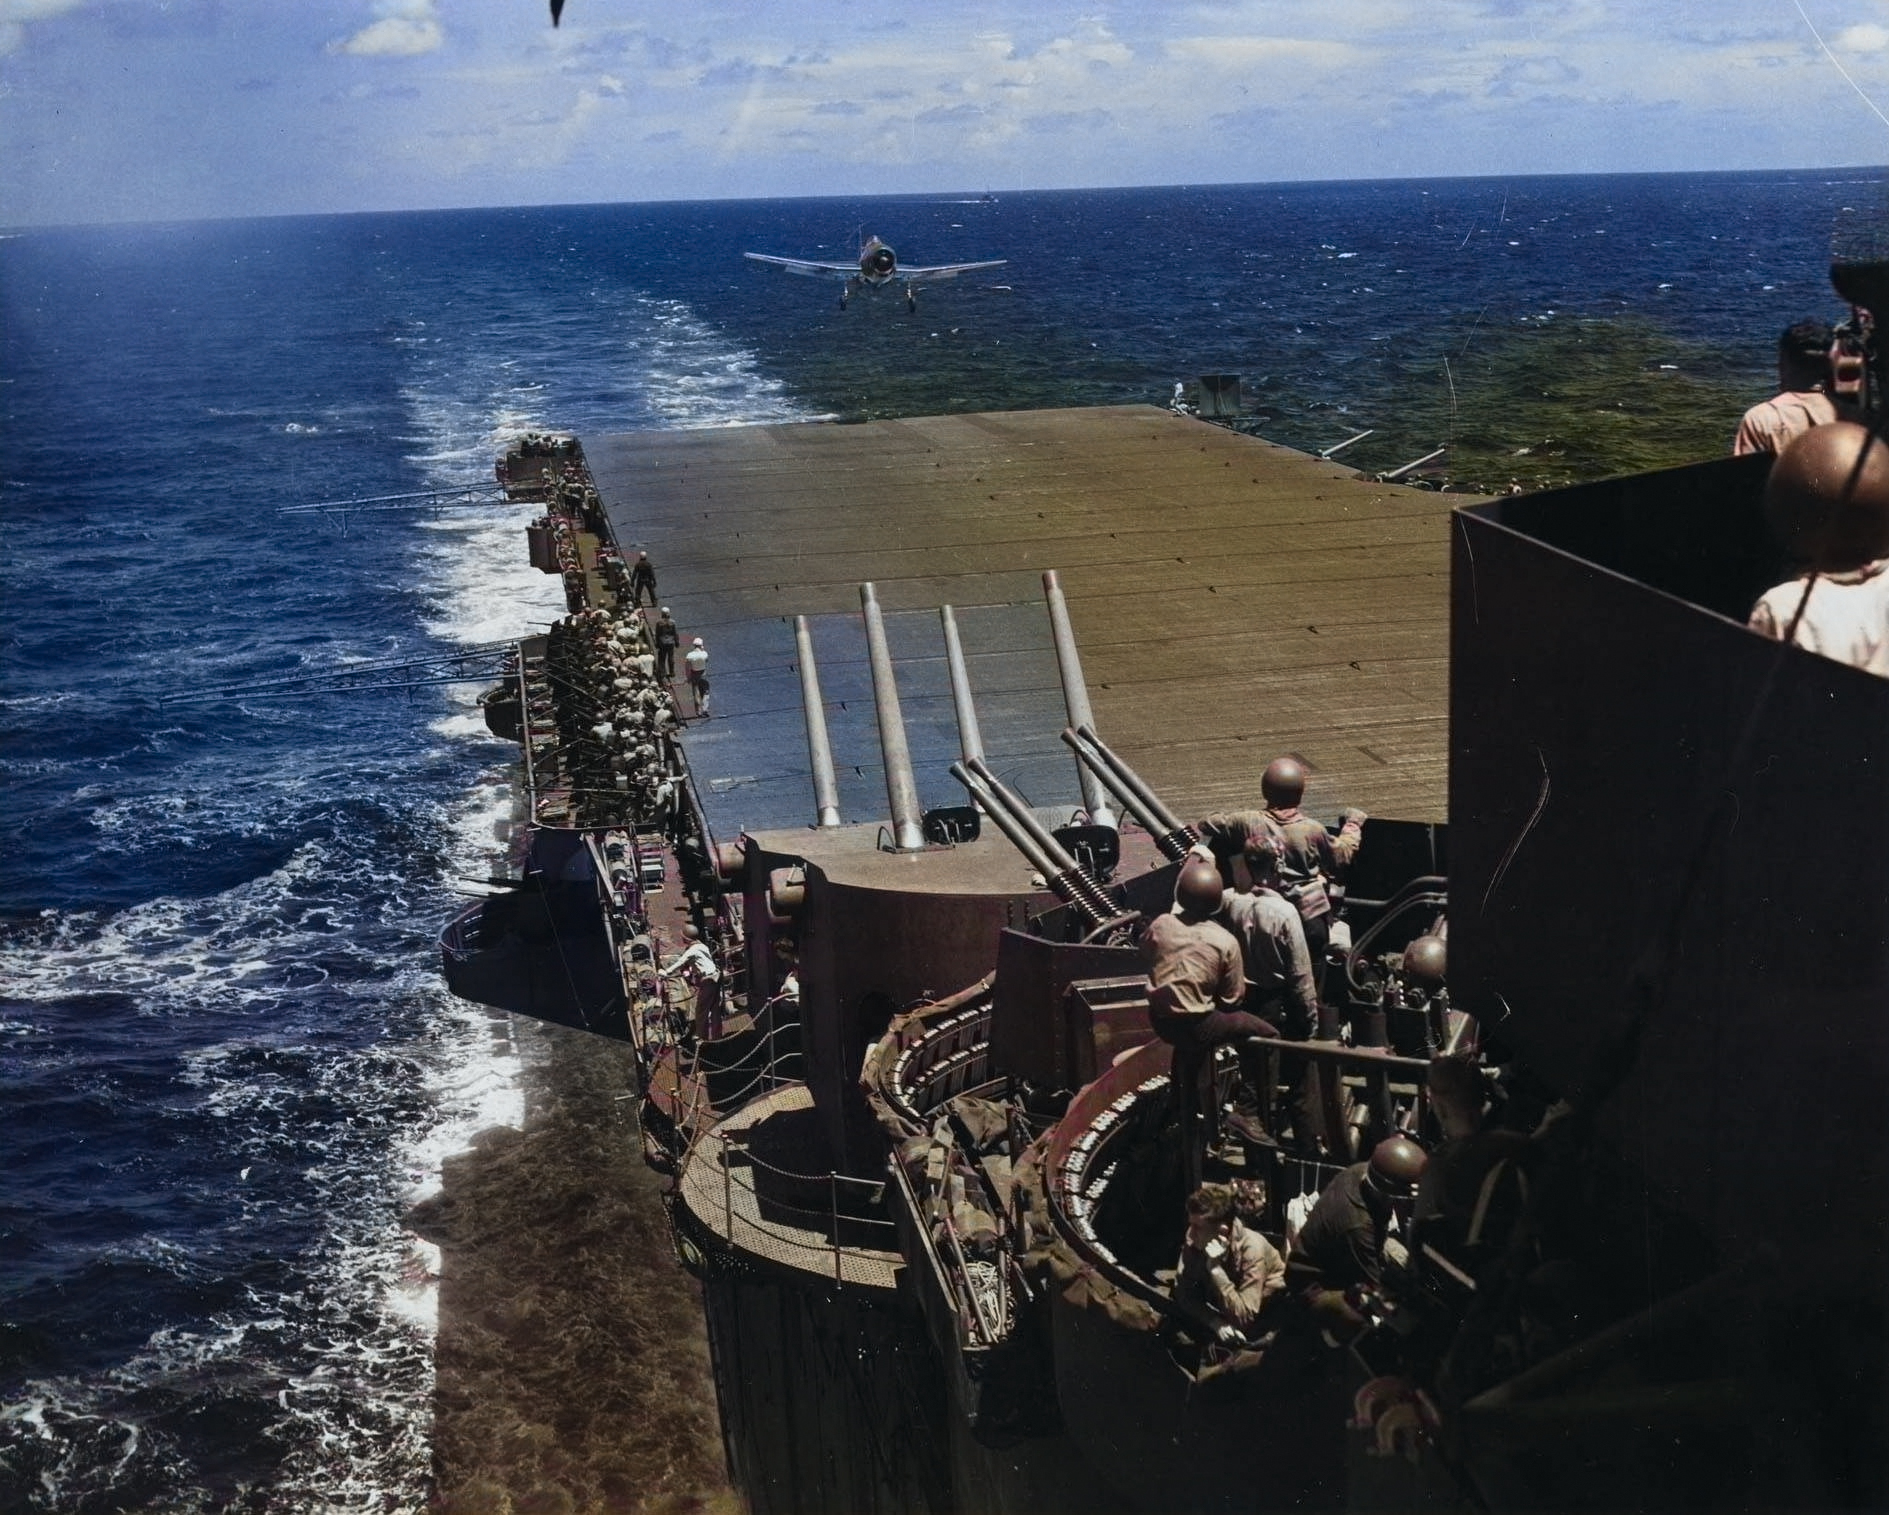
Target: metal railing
x,y
412,499
1079,1145
814,1212
835,1221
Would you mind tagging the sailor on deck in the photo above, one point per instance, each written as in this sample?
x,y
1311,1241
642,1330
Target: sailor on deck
x,y
1225,1269
1195,990
1803,373
667,640
642,577
697,967
1828,500
696,660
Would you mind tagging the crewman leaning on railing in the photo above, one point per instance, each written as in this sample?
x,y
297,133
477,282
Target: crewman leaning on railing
x,y
697,968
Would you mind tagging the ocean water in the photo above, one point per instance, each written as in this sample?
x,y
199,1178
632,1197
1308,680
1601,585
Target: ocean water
x,y
228,1067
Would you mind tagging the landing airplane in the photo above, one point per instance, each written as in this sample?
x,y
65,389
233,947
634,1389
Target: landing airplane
x,y
877,265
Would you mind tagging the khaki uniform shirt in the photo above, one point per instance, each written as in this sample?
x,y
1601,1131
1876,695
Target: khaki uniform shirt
x,y
1769,426
1250,1274
1272,940
1193,966
1313,857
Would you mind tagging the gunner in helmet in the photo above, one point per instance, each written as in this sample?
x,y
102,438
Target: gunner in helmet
x,y
1803,400
1828,502
1279,973
1281,987
1196,989
1347,1235
1310,857
1475,1185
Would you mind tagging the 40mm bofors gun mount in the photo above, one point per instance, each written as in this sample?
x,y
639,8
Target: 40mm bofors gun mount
x,y
1069,880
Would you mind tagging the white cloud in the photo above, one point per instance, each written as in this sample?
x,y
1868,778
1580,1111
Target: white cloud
x,y
406,29
35,10
1228,54
1867,38
754,97
14,14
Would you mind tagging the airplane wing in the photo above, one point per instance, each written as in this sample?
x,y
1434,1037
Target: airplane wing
x,y
808,268
944,271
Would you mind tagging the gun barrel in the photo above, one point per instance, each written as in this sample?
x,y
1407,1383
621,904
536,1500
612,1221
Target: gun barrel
x,y
826,788
901,786
1129,779
1039,833
1075,692
1082,888
1006,822
970,738
1067,879
1173,838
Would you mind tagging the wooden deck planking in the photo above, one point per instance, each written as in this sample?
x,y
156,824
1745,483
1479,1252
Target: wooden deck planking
x,y
731,1207
1232,599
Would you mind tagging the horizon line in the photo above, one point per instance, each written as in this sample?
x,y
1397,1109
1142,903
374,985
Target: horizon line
x,y
13,229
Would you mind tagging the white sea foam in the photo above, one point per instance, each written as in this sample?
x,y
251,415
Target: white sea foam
x,y
169,953
692,377
359,1380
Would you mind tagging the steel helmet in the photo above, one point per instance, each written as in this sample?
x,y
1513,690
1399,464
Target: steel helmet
x,y
1828,497
1396,1164
1198,889
1283,782
696,643
1425,960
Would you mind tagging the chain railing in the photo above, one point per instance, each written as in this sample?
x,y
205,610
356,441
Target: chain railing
x,y
825,1211
835,1221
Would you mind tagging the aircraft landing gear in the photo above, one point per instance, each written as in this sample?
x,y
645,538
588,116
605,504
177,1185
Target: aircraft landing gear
x,y
911,301
846,291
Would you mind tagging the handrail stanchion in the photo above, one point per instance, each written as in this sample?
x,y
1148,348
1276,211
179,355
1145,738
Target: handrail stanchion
x,y
727,1190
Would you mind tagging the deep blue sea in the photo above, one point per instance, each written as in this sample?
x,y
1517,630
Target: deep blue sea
x,y
227,1064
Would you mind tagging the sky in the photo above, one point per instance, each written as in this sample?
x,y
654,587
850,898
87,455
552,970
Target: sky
x,y
135,110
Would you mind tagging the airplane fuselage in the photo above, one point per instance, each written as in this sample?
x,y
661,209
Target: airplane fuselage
x,y
878,264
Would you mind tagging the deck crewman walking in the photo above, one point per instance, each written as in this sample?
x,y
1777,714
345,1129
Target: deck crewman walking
x,y
697,660
642,577
667,640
